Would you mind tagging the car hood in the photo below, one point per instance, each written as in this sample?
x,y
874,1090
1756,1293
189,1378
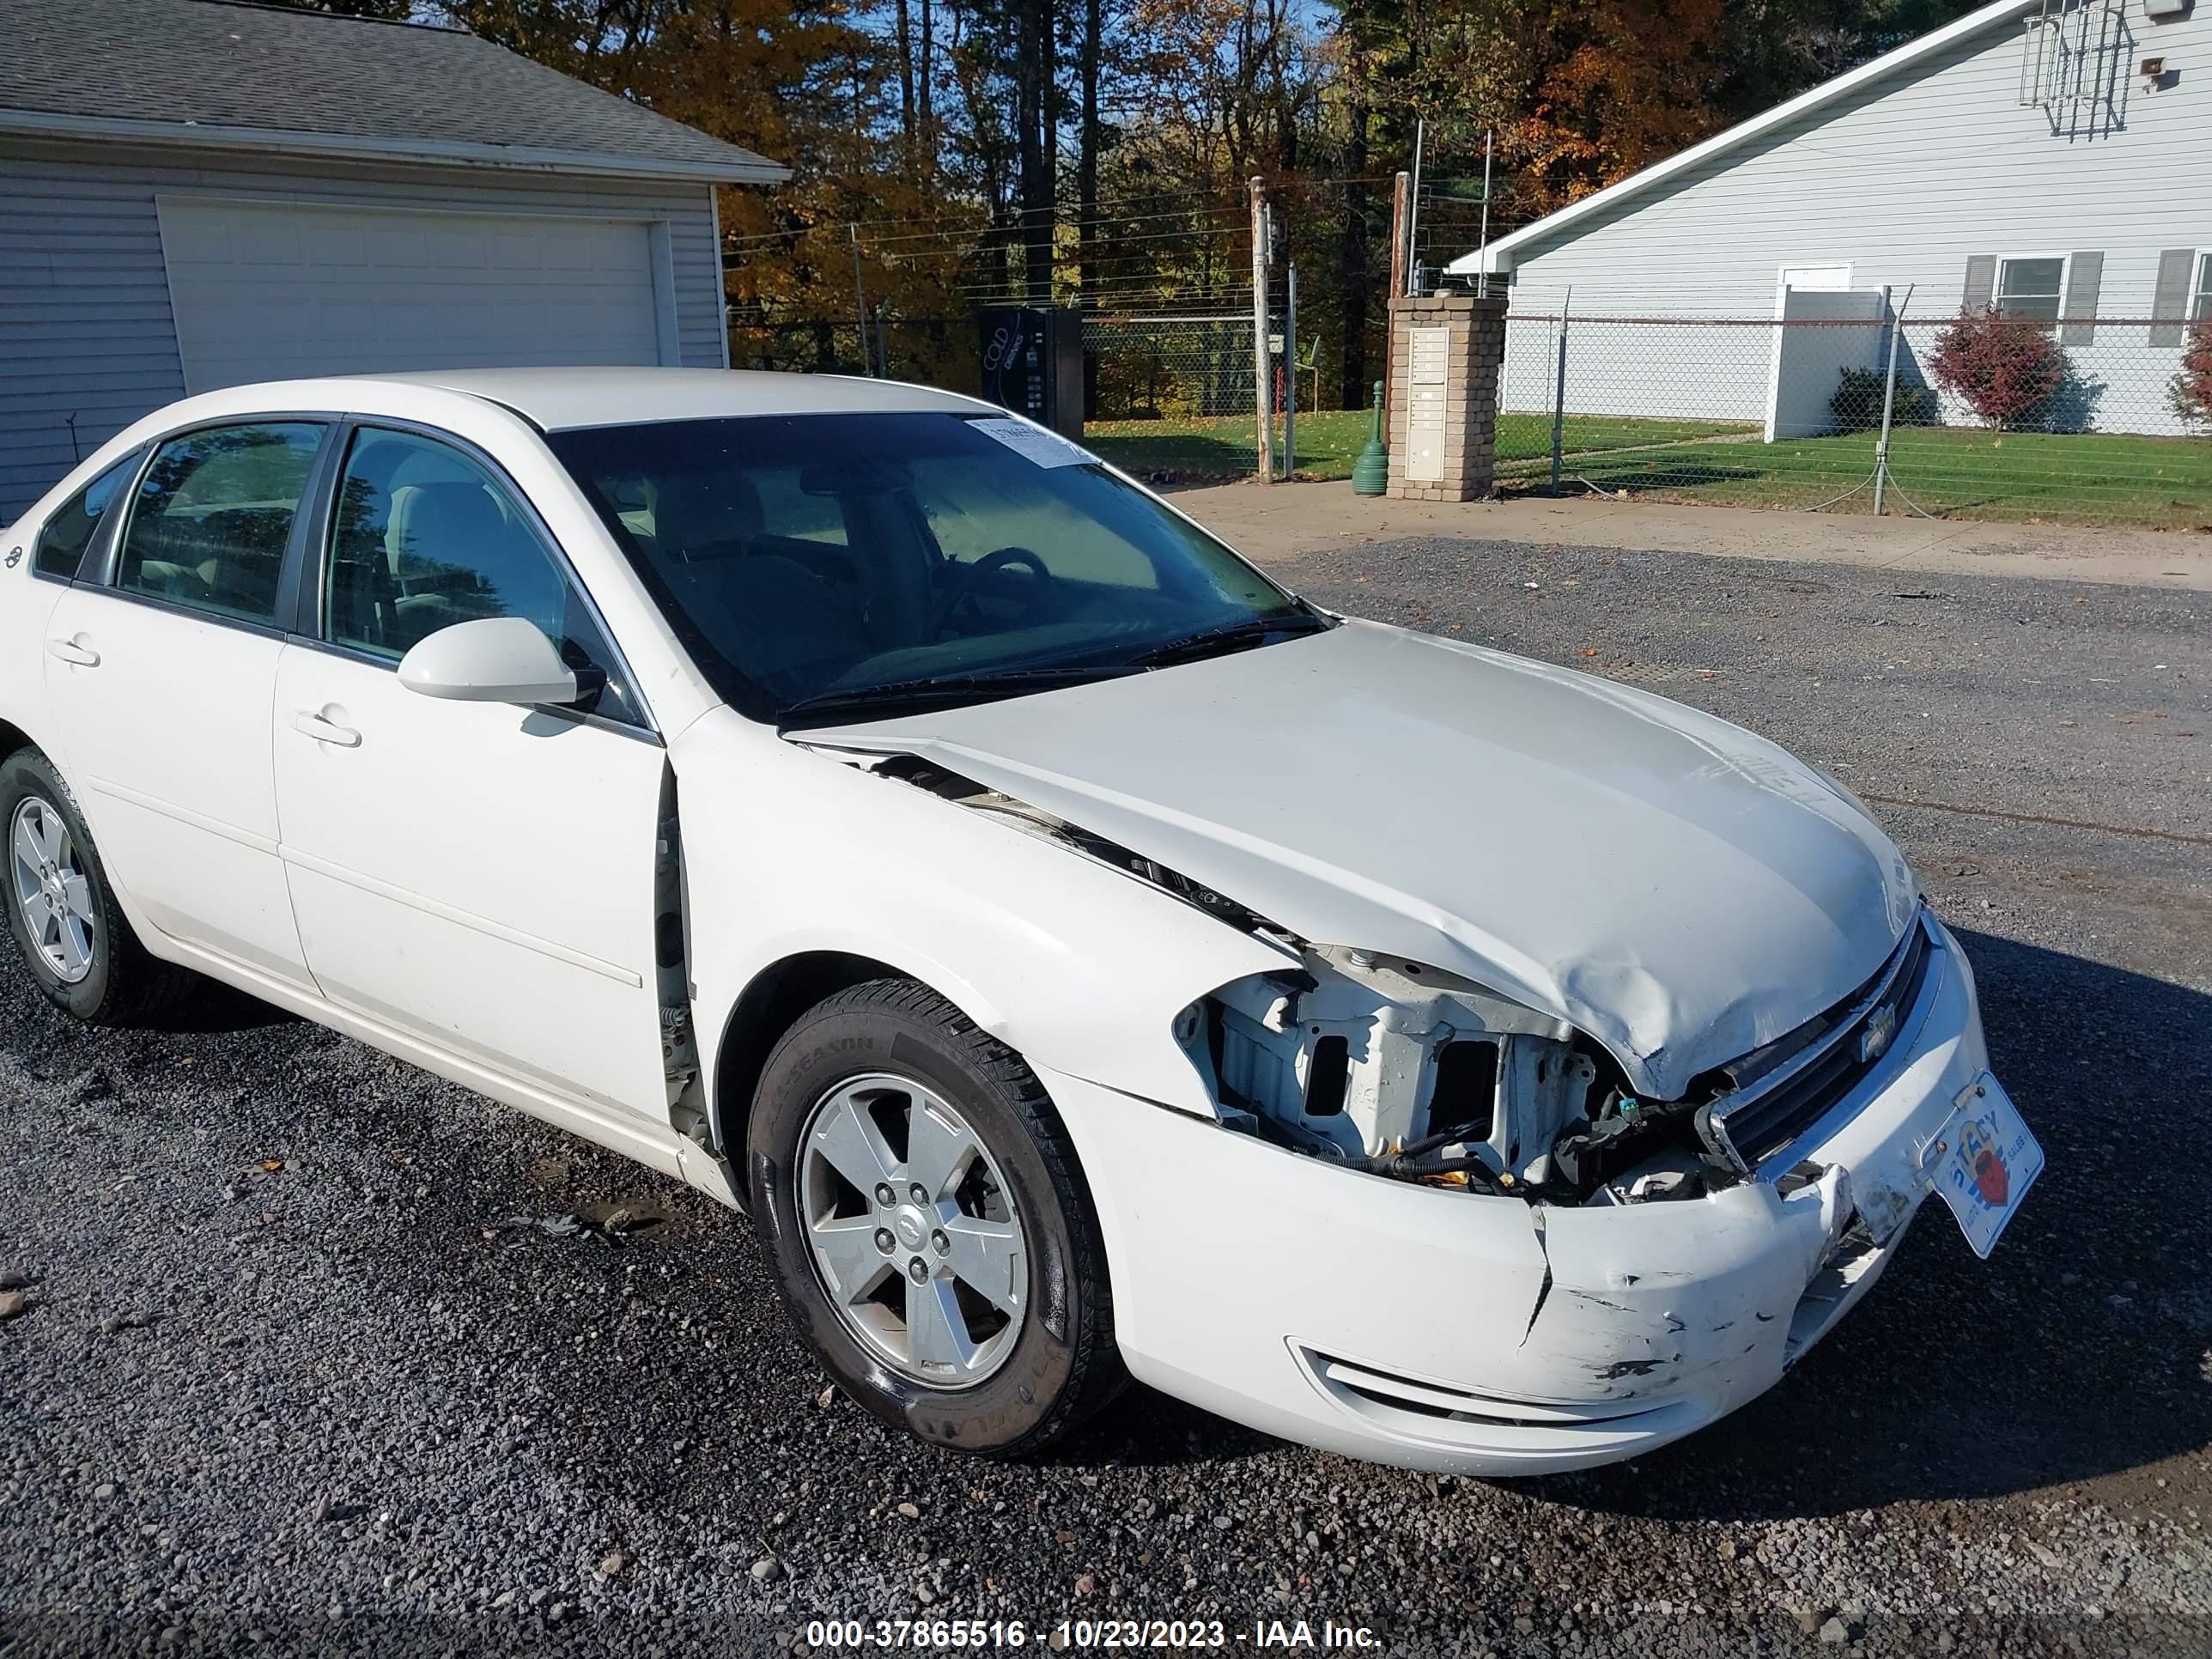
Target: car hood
x,y
1679,889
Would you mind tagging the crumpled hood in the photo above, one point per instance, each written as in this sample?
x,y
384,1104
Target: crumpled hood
x,y
1677,887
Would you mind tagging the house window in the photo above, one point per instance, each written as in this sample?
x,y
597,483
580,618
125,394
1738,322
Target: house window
x,y
2201,309
2029,288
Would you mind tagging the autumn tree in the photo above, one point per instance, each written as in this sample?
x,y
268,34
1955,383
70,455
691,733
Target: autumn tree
x,y
1096,151
808,84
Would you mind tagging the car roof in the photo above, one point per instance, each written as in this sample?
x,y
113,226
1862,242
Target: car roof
x,y
558,398
552,400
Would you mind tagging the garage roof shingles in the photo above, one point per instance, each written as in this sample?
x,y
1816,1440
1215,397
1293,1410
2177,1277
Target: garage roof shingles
x,y
213,63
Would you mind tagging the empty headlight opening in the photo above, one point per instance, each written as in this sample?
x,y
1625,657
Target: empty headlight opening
x,y
1400,1070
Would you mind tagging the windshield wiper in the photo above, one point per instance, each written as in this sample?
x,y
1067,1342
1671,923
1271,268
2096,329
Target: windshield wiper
x,y
931,690
1211,642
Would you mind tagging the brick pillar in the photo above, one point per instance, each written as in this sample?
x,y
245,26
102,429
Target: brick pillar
x,y
1446,350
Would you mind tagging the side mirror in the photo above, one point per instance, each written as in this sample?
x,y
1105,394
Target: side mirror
x,y
495,659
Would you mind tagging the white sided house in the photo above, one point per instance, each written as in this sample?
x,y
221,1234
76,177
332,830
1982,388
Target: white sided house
x,y
196,195
2049,158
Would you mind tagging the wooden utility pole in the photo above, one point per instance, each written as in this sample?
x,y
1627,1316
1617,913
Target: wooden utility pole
x,y
1400,197
1290,370
1414,213
1352,273
860,307
1262,404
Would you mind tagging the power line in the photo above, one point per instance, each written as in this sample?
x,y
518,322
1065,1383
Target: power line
x,y
972,222
1017,219
1195,293
1108,240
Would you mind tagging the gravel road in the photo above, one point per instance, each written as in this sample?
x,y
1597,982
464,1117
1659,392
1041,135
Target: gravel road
x,y
311,1362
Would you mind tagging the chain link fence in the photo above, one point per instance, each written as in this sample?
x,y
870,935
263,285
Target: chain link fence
x,y
1174,396
939,352
2075,420
1170,367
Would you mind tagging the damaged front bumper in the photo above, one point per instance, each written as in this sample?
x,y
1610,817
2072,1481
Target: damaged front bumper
x,y
1455,1331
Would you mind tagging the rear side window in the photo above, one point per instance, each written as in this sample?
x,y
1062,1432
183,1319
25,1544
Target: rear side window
x,y
70,532
213,515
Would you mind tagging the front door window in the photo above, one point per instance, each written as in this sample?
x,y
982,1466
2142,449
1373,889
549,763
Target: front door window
x,y
425,536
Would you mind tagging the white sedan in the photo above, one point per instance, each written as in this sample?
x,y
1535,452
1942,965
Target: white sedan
x,y
1082,958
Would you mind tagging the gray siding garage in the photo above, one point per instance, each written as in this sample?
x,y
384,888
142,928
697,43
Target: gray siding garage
x,y
159,236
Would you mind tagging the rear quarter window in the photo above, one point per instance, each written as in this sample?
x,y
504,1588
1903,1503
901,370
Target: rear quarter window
x,y
69,531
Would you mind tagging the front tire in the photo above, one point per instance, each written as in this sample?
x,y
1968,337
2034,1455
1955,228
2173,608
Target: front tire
x,y
62,911
929,1227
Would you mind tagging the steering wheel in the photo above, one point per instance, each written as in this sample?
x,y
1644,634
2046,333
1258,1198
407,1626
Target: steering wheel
x,y
968,584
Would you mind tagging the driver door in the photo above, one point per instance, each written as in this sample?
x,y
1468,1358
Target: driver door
x,y
481,876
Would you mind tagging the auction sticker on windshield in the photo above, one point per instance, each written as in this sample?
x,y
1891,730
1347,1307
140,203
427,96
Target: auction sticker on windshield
x,y
1045,449
1984,1162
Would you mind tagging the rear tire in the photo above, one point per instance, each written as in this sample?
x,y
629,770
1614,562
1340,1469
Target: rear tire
x,y
985,1324
62,913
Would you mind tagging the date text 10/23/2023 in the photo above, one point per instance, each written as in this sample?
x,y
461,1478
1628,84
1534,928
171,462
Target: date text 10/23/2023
x,y
1086,1635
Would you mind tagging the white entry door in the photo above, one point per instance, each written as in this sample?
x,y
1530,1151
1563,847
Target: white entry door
x,y
1820,279
272,291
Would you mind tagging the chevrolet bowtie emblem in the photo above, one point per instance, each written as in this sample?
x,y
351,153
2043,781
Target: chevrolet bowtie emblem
x,y
1879,1032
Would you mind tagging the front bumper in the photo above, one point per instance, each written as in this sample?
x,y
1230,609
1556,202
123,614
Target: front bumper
x,y
1446,1331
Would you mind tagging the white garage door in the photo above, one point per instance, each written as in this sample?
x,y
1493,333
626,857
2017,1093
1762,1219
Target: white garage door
x,y
271,292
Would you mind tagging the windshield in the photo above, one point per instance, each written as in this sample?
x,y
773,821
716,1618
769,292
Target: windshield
x,y
821,566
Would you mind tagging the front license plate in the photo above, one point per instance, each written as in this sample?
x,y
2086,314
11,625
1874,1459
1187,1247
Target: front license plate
x,y
1984,1162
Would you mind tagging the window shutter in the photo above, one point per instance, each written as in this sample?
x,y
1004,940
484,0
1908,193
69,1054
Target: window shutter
x,y
2169,303
1981,284
2084,274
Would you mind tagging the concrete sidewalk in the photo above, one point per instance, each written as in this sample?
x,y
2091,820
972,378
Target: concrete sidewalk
x,y
1282,523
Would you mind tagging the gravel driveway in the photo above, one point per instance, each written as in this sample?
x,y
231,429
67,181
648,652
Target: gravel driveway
x,y
321,1354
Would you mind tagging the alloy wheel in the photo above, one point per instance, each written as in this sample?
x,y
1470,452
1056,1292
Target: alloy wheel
x,y
51,889
912,1229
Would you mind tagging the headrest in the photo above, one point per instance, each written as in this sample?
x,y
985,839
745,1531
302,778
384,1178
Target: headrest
x,y
706,514
453,516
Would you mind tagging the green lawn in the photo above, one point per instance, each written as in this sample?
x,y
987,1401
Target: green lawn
x,y
1201,452
1954,472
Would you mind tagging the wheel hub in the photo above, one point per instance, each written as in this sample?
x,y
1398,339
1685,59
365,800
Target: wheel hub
x,y
910,1226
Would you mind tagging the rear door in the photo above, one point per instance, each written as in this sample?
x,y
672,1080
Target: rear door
x,y
480,875
160,678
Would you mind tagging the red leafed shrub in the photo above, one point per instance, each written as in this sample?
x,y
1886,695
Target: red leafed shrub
x,y
2191,391
2004,368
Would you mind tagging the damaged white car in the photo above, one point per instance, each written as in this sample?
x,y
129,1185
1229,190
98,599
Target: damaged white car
x,y
1082,958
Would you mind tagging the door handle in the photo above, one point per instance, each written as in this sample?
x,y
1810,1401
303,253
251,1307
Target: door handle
x,y
323,731
69,651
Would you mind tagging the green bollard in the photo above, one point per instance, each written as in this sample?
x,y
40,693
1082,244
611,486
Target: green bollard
x,y
1370,473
